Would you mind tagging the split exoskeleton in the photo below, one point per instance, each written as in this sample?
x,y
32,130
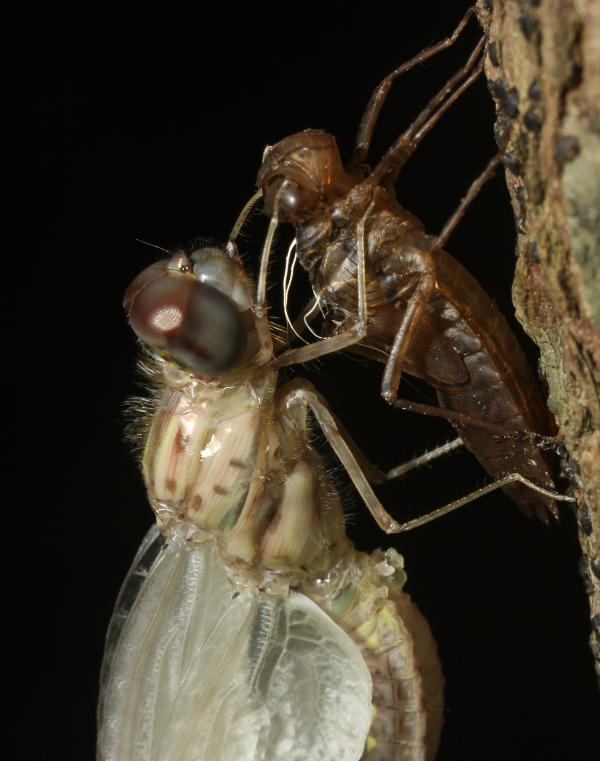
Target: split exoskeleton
x,y
389,291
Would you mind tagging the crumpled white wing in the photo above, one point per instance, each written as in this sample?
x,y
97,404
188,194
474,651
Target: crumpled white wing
x,y
192,673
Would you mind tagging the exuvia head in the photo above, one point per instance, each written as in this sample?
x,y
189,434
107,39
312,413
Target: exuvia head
x,y
301,172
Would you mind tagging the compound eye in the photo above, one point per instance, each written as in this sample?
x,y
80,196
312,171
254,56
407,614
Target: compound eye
x,y
192,323
294,203
150,274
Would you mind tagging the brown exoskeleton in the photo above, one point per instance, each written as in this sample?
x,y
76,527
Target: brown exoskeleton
x,y
389,291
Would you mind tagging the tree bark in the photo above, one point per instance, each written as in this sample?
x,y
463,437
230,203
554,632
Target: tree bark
x,y
543,69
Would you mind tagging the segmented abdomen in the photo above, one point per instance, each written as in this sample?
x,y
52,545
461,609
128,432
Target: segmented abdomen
x,y
400,652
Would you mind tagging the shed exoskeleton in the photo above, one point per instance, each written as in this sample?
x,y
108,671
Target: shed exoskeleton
x,y
390,291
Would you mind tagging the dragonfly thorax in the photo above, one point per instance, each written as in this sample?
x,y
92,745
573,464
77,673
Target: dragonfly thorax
x,y
219,460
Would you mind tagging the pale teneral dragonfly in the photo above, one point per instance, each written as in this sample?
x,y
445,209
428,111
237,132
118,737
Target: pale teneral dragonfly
x,y
249,628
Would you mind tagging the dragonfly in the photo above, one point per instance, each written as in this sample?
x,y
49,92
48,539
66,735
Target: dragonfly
x,y
249,627
405,302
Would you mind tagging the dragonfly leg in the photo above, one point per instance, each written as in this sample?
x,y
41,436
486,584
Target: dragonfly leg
x,y
455,417
301,392
414,308
424,459
402,149
511,478
471,194
461,419
373,109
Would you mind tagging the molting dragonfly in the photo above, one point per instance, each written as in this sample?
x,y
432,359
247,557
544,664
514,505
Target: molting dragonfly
x,y
249,627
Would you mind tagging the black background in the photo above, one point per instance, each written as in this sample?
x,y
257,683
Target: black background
x,y
155,121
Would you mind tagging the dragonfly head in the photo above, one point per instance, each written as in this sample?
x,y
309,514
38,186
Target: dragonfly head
x,y
303,172
194,310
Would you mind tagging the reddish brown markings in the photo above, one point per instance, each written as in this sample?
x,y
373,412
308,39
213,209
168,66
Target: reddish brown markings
x,y
220,489
196,502
237,463
208,434
181,440
170,484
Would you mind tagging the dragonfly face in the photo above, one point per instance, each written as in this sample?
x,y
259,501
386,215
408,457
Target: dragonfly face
x,y
195,310
302,171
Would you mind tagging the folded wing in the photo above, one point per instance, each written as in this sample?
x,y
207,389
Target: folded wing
x,y
194,673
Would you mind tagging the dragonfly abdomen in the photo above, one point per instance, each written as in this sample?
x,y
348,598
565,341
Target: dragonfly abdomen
x,y
400,652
